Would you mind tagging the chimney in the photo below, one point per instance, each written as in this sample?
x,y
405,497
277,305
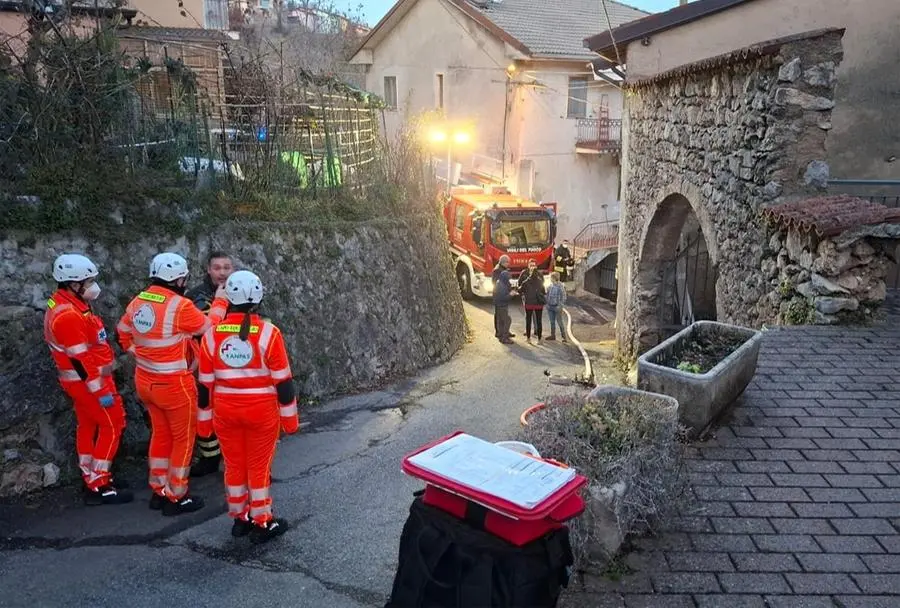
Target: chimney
x,y
682,2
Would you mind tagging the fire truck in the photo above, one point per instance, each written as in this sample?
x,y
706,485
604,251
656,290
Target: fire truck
x,y
483,227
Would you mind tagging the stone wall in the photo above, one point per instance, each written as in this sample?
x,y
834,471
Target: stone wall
x,y
830,280
358,305
718,140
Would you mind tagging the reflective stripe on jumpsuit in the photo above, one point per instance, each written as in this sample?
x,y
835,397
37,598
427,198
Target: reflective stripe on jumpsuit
x,y
247,417
77,337
157,328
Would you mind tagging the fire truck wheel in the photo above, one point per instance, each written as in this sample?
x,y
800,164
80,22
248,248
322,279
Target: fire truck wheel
x,y
465,284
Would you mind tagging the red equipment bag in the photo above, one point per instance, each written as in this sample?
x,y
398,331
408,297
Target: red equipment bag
x,y
496,516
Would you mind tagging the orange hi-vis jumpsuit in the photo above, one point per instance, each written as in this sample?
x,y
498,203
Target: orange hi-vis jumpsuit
x,y
247,412
158,327
85,360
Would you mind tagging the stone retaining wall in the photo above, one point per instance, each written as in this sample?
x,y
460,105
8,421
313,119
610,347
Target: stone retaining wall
x,y
358,305
719,140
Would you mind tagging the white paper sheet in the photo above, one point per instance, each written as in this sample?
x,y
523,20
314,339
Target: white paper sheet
x,y
500,472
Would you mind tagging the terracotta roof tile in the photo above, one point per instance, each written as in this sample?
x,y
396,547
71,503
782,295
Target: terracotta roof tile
x,y
831,215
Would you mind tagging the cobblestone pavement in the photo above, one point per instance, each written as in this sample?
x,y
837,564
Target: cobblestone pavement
x,y
797,494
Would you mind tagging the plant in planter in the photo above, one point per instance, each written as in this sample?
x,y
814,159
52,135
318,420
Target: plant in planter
x,y
627,443
705,367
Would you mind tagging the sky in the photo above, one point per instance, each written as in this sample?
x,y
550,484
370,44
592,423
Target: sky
x,y
373,10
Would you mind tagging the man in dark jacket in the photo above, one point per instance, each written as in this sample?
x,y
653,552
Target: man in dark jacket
x,y
503,293
531,286
564,261
502,264
219,267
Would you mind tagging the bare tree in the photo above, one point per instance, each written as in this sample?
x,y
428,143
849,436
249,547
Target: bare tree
x,y
313,35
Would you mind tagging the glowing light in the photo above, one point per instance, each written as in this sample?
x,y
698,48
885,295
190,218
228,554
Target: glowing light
x,y
438,136
461,137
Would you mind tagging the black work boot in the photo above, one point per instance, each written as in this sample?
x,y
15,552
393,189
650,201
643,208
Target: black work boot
x,y
241,527
107,495
206,466
188,504
157,502
272,528
122,484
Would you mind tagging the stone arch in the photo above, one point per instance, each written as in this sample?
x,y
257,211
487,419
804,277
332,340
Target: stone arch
x,y
664,231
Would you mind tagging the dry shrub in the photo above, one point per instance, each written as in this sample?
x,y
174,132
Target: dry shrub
x,y
630,448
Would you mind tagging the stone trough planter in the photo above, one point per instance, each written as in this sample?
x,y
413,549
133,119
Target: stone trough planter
x,y
678,367
616,476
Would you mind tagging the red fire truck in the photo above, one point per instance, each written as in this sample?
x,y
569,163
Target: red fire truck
x,y
482,227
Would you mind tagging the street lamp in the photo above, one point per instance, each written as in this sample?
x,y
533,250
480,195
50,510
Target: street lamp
x,y
441,136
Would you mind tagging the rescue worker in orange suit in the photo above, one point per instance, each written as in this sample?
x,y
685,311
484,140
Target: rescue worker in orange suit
x,y
158,327
247,396
85,360
219,267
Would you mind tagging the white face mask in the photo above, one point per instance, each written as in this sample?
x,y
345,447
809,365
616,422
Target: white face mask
x,y
91,293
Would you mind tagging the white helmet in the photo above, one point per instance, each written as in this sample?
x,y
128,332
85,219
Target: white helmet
x,y
243,287
73,267
168,267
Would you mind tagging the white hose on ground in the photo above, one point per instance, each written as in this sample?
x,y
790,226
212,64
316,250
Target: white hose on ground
x,y
588,369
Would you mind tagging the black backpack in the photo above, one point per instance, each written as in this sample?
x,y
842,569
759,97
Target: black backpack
x,y
448,562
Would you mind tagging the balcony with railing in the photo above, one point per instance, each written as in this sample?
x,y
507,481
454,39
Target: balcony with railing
x,y
598,135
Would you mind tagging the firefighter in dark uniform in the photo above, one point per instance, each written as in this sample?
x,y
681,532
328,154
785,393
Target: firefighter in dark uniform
x,y
563,261
219,267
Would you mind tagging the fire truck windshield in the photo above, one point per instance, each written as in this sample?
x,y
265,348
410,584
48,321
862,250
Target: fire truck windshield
x,y
521,235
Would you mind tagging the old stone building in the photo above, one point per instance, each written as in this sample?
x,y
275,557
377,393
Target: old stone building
x,y
710,144
863,141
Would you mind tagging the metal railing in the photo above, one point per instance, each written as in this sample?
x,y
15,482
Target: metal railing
x,y
688,291
883,191
599,134
597,235
608,277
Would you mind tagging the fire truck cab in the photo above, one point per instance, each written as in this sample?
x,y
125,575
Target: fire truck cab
x,y
483,227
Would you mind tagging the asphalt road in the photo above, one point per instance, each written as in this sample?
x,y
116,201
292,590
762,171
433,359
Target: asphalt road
x,y
338,483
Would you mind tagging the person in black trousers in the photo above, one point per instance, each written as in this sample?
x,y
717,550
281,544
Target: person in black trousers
x,y
531,286
502,264
565,261
219,266
503,293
